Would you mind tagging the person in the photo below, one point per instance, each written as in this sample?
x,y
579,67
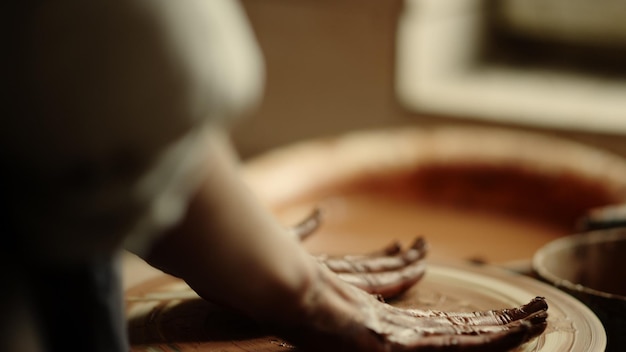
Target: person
x,y
116,136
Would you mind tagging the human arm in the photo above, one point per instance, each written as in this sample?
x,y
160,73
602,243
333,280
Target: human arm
x,y
225,239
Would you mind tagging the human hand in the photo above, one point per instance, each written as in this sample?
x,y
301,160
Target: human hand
x,y
342,317
377,326
387,272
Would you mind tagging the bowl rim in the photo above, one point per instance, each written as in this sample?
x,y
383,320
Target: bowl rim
x,y
576,240
302,167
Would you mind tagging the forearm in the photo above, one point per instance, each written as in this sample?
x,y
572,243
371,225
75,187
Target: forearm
x,y
226,238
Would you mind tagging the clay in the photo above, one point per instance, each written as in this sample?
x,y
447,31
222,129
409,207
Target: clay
x,y
361,222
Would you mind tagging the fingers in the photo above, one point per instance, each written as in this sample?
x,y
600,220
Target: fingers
x,y
389,259
391,249
308,225
502,339
387,273
387,284
496,330
500,316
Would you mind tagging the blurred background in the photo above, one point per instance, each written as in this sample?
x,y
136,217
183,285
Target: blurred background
x,y
553,67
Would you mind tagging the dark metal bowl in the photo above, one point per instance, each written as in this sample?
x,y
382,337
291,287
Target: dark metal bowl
x,y
591,266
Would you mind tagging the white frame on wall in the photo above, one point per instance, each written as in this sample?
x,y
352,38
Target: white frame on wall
x,y
439,72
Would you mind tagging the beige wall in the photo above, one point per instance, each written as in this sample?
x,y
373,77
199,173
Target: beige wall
x,y
330,69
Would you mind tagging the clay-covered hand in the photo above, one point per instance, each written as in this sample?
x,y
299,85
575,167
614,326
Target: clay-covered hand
x,y
387,273
344,318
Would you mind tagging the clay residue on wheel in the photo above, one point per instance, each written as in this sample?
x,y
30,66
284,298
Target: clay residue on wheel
x,y
553,198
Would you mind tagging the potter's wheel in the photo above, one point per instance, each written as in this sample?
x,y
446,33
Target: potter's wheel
x,y
412,182
165,315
